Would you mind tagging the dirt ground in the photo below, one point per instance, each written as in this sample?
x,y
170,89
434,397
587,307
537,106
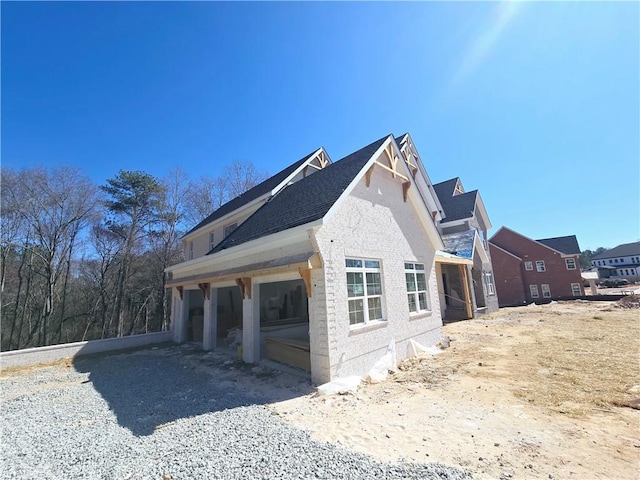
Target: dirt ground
x,y
531,392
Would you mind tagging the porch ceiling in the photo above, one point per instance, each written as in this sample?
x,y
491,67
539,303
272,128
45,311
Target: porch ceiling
x,y
444,257
307,260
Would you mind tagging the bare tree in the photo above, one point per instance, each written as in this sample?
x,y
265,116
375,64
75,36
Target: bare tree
x,y
55,204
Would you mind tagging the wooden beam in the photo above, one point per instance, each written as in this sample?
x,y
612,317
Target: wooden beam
x,y
180,289
247,286
206,291
323,160
367,175
393,172
467,293
240,284
305,273
405,190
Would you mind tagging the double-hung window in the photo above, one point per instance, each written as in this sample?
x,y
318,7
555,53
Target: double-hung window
x,y
571,263
364,289
546,291
528,265
416,287
488,280
540,266
533,289
212,240
575,289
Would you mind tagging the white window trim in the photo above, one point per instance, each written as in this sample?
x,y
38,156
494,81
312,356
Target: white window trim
x,y
190,250
416,293
528,266
533,290
212,240
546,290
365,297
567,261
488,278
575,287
540,266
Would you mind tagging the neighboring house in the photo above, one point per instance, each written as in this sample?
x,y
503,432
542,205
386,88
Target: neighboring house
x,y
322,266
621,261
533,270
464,233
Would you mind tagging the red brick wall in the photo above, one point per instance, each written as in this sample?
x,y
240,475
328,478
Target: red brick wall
x,y
555,275
507,277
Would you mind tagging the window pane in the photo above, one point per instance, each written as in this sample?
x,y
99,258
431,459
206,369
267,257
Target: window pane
x,y
356,312
411,282
408,266
353,263
374,286
375,308
422,298
355,285
371,264
422,282
419,266
412,302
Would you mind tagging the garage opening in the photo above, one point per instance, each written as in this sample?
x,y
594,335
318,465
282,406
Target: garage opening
x,y
229,311
284,323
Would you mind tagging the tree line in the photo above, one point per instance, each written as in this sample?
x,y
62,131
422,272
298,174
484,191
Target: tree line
x,y
80,261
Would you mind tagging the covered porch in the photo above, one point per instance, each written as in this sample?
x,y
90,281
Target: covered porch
x,y
265,304
454,287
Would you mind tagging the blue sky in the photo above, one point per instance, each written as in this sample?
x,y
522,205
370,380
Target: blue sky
x,y
536,105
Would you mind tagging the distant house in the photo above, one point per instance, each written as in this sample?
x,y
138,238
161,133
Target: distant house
x,y
464,233
532,270
321,266
621,261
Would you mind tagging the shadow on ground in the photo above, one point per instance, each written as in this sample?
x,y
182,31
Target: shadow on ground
x,y
148,389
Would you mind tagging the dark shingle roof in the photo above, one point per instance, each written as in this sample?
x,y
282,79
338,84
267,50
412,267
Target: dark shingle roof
x,y
459,206
567,244
251,194
445,189
624,250
302,202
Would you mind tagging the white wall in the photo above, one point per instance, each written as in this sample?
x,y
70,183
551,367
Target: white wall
x,y
373,223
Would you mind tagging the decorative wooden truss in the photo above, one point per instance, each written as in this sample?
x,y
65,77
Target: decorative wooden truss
x,y
391,168
318,161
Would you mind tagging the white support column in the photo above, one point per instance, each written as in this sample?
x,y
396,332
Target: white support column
x,y
185,317
178,320
251,326
210,332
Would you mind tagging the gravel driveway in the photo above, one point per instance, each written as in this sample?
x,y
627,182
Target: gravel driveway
x,y
169,413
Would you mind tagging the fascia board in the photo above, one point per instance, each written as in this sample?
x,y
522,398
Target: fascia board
x,y
477,245
276,240
286,181
224,219
481,209
504,251
426,177
428,226
535,241
347,191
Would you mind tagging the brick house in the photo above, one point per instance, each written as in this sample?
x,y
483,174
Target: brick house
x,y
529,270
321,266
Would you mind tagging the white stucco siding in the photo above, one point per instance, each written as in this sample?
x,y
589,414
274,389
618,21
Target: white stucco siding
x,y
375,223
